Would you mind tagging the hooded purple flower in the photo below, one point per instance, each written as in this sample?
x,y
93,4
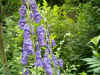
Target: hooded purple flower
x,y
47,52
27,42
47,65
22,23
38,56
55,61
23,1
24,59
31,15
27,33
22,11
27,45
33,6
60,62
53,43
48,39
34,12
37,16
28,48
58,72
41,35
49,48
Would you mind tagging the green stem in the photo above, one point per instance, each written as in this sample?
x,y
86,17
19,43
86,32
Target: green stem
x,y
36,70
31,27
2,50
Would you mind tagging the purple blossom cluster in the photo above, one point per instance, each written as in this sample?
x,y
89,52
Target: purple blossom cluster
x,y
46,61
35,15
27,44
38,63
47,65
22,20
41,35
43,40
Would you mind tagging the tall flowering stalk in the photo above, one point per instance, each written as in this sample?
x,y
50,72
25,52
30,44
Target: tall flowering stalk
x,y
33,46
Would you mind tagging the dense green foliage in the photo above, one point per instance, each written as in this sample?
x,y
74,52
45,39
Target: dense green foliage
x,y
75,25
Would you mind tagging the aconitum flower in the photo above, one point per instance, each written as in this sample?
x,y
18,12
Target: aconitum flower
x,y
22,23
24,59
27,45
38,56
44,62
41,35
55,61
35,14
23,1
60,62
31,15
22,11
58,72
53,43
47,65
47,52
33,6
27,32
49,48
48,39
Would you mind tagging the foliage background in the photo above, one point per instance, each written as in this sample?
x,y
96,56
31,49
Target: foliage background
x,y
75,24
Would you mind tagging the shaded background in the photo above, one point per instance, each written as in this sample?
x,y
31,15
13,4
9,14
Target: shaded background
x,y
74,23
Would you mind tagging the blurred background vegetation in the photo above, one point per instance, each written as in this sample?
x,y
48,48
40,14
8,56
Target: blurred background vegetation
x,y
75,25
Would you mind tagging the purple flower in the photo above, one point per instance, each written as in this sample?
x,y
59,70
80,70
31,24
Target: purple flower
x,y
60,62
48,39
22,23
58,72
54,60
53,43
28,48
38,63
26,72
31,15
22,11
47,52
34,12
22,20
49,48
49,71
27,44
37,16
33,5
27,33
47,65
41,41
24,59
41,35
38,56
